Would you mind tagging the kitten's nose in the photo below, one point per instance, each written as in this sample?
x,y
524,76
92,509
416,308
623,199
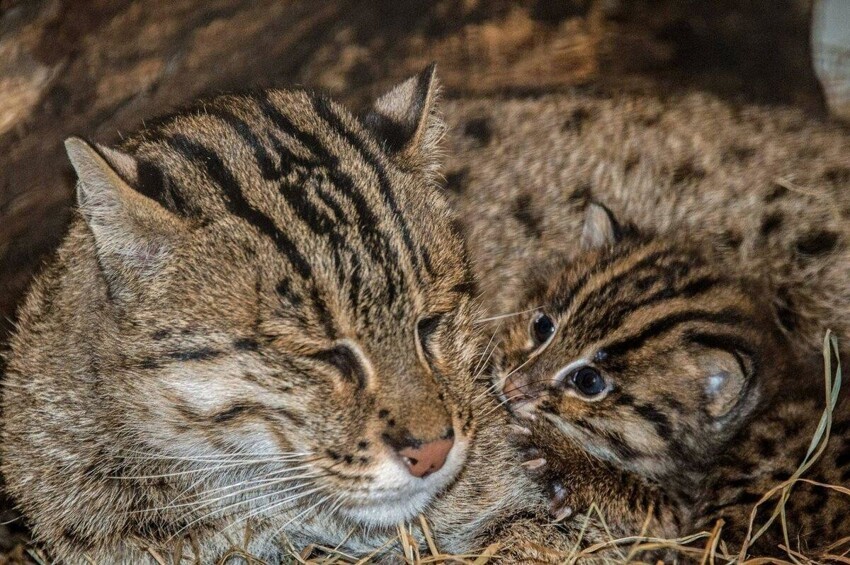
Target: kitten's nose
x,y
423,459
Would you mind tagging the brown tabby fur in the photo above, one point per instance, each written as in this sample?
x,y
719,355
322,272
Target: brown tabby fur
x,y
259,296
705,409
767,187
523,171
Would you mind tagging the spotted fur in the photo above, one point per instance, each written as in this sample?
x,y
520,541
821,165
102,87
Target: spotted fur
x,y
761,186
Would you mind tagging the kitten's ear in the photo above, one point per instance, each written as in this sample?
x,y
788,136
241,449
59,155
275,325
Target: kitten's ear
x,y
133,234
406,118
600,229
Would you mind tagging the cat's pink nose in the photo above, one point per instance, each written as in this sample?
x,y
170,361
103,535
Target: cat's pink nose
x,y
427,458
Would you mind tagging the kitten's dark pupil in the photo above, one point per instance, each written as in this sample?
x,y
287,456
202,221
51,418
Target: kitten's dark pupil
x,y
542,328
588,381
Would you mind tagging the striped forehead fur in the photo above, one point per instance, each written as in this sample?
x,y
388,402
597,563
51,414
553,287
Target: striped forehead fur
x,y
304,314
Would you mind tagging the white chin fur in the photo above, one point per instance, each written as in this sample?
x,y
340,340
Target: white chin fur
x,y
397,496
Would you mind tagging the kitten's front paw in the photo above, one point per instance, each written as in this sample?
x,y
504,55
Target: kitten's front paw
x,y
560,508
546,467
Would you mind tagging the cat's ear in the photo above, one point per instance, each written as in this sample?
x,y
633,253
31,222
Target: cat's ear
x,y
133,234
600,229
725,382
406,119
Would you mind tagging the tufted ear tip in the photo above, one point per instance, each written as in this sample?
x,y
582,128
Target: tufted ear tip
x,y
76,148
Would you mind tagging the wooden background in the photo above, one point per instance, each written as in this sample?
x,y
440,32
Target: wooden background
x,y
97,68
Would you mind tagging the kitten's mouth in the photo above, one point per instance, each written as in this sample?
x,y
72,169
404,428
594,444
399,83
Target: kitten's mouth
x,y
518,400
395,495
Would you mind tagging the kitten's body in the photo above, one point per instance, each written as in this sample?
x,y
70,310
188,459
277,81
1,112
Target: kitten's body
x,y
766,190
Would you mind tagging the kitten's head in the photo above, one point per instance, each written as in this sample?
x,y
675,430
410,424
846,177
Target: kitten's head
x,y
642,351
283,285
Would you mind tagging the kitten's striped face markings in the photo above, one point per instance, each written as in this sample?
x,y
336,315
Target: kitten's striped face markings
x,y
642,352
290,287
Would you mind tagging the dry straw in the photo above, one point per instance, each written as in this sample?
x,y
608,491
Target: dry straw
x,y
707,548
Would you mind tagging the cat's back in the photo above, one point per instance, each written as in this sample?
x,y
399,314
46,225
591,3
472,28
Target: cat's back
x,y
765,186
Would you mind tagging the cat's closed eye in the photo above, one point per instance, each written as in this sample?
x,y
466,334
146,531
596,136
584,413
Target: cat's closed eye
x,y
349,361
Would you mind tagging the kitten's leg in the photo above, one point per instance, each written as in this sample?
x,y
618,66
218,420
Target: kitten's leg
x,y
576,482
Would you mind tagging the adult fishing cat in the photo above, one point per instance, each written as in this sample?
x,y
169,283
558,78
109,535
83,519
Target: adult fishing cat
x,y
257,334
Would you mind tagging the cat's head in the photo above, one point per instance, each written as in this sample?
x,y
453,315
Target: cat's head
x,y
642,350
287,300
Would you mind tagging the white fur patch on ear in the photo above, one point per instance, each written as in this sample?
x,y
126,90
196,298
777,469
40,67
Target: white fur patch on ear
x,y
723,389
715,383
130,229
600,228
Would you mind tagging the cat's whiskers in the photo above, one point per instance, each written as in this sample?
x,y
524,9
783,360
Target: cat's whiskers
x,y
503,316
482,364
503,401
262,510
493,388
255,483
227,464
210,514
302,514
213,470
482,361
258,457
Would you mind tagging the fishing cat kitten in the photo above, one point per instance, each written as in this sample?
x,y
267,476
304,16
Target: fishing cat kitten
x,y
667,394
257,334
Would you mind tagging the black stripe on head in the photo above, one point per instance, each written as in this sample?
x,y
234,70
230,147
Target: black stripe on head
x,y
239,206
468,287
154,183
619,312
729,317
236,202
613,283
151,180
284,289
264,161
366,220
565,301
323,108
325,318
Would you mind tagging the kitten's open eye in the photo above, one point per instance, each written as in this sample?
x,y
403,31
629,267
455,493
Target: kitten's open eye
x,y
588,381
542,328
